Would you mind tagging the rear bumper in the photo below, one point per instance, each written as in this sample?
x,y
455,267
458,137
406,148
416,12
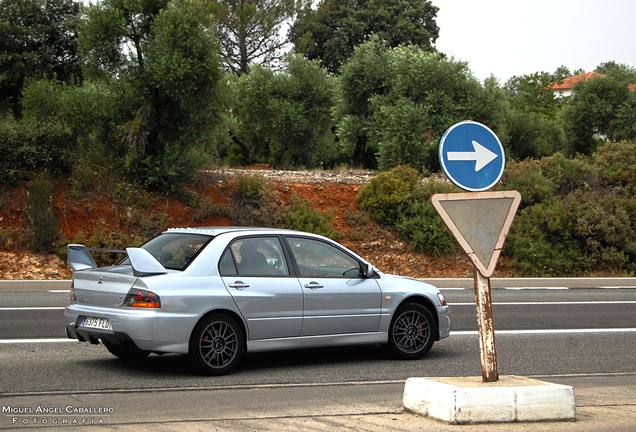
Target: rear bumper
x,y
115,338
148,330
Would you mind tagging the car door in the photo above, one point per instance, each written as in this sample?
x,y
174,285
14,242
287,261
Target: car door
x,y
257,275
338,298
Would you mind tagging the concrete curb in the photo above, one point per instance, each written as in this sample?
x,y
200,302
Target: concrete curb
x,y
469,400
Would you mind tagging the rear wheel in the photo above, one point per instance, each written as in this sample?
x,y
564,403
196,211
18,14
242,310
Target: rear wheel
x,y
412,332
125,353
216,345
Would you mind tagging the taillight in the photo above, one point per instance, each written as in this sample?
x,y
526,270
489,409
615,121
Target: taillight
x,y
73,296
441,299
142,299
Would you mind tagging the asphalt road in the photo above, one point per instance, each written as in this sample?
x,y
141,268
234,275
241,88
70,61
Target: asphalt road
x,y
564,329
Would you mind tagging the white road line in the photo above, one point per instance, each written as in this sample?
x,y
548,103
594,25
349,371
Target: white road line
x,y
24,341
613,302
59,291
617,287
536,288
547,331
32,308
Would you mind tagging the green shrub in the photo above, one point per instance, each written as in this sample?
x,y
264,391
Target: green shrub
x,y
385,192
41,219
616,163
250,189
254,204
301,216
528,179
30,146
586,231
419,223
568,174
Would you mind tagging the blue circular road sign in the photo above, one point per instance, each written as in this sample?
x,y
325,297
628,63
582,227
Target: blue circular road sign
x,y
472,156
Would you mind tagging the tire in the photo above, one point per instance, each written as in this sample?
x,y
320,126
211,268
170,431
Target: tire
x,y
216,345
412,332
123,353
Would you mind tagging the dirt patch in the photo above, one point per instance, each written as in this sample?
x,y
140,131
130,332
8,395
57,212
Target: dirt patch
x,y
143,215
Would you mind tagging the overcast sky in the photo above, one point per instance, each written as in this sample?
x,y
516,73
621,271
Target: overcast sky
x,y
507,38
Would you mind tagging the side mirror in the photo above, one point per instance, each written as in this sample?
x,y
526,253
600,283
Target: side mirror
x,y
368,271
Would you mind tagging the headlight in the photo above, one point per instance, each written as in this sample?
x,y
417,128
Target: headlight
x,y
441,299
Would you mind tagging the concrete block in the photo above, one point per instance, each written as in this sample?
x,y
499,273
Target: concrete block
x,y
469,400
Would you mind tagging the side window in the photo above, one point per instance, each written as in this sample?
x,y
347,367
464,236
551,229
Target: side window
x,y
226,265
257,256
319,259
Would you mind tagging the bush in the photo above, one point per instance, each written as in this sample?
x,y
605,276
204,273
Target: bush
x,y
382,196
41,219
254,204
586,231
528,178
30,146
301,216
616,163
419,223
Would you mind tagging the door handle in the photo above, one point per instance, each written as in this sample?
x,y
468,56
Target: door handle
x,y
239,285
314,285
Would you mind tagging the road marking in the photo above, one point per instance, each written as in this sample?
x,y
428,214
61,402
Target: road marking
x,y
32,308
59,291
24,341
551,303
537,288
547,331
617,287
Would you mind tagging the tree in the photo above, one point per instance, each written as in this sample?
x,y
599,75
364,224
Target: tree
x,y
618,71
249,30
115,34
533,93
331,32
285,118
529,135
38,39
167,87
591,114
363,76
397,102
563,72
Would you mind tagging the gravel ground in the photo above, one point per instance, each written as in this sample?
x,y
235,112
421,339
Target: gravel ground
x,y
311,176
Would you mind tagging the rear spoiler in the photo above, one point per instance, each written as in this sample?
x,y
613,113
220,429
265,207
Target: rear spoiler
x,y
141,261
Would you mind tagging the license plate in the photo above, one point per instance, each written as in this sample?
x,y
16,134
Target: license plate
x,y
100,323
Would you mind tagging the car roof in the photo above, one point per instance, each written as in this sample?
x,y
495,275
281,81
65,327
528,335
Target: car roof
x,y
217,230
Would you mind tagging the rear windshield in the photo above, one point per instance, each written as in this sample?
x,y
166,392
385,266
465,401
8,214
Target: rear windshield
x,y
174,250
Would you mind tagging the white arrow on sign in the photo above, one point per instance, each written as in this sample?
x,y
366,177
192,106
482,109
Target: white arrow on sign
x,y
482,156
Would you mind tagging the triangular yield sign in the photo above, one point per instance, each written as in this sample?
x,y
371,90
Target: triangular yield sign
x,y
479,221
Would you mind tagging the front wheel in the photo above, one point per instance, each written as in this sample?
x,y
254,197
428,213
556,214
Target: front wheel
x,y
412,332
216,345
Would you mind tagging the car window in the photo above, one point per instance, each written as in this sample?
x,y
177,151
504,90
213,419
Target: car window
x,y
254,256
226,265
320,259
174,250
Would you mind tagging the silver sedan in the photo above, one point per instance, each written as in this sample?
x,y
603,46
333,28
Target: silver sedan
x,y
215,293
